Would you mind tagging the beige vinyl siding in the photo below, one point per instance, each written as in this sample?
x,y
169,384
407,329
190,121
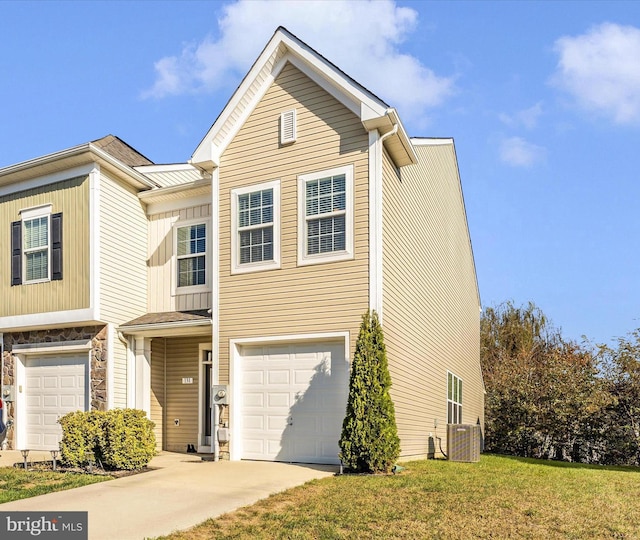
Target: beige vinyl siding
x,y
162,262
326,297
181,360
430,297
158,366
123,256
71,197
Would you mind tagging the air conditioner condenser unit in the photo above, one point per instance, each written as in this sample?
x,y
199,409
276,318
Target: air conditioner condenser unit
x,y
463,442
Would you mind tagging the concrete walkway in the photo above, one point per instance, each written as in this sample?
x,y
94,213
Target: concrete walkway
x,y
180,491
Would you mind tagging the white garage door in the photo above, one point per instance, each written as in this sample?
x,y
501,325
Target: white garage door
x,y
293,402
55,385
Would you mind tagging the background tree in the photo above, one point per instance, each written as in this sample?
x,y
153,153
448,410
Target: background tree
x,y
622,375
544,397
369,441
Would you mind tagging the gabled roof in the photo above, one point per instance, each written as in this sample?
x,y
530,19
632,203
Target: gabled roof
x,y
285,47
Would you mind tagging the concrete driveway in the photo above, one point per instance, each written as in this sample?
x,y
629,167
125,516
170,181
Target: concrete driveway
x,y
180,491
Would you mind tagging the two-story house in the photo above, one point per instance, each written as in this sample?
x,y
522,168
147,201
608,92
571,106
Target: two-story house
x,y
247,270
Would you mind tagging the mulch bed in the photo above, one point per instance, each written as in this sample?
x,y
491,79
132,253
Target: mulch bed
x,y
97,469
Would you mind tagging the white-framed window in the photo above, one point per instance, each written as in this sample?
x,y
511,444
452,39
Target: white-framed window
x,y
36,243
325,216
255,227
191,248
454,399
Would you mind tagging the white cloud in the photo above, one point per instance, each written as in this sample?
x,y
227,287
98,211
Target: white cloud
x,y
520,153
362,38
526,117
601,70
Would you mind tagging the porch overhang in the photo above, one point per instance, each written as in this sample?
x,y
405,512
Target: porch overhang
x,y
169,324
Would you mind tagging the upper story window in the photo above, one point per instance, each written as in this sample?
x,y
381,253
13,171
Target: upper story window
x,y
454,399
191,256
325,206
255,235
36,246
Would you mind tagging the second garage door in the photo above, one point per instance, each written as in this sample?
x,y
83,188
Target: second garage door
x,y
293,402
55,385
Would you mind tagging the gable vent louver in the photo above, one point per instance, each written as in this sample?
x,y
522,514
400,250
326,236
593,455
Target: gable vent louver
x,y
288,127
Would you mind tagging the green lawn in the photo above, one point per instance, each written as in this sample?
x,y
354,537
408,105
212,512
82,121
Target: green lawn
x,y
500,497
19,484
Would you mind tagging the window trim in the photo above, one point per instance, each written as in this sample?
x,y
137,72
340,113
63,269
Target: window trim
x,y
207,261
236,266
348,253
452,401
29,214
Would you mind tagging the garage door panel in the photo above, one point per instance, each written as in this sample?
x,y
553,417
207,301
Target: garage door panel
x,y
278,376
253,399
55,386
279,399
253,378
51,401
253,422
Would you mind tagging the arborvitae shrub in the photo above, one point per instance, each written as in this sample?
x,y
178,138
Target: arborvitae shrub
x,y
369,441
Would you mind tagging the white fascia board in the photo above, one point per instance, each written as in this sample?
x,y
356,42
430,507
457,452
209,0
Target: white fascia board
x,y
167,167
52,319
129,174
330,73
206,152
179,328
177,204
424,141
73,172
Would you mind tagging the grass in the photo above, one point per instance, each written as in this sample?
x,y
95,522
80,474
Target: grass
x,y
20,484
500,497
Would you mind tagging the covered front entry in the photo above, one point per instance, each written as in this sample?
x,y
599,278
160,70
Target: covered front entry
x,y
293,400
54,386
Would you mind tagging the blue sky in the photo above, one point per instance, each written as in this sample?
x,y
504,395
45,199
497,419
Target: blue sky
x,y
542,99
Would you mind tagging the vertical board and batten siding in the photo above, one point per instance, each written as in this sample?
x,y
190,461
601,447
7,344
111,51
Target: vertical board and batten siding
x,y
161,261
123,256
158,366
71,197
293,300
181,360
430,298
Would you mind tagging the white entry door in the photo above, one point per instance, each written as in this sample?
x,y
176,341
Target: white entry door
x,y
294,399
55,386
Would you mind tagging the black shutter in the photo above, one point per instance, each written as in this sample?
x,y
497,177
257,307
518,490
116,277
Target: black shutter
x,y
56,246
16,253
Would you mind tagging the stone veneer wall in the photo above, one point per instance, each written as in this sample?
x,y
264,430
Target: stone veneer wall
x,y
98,367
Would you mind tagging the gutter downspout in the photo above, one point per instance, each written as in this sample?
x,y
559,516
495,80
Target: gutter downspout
x,y
389,133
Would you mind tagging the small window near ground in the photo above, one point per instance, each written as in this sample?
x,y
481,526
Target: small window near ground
x,y
454,399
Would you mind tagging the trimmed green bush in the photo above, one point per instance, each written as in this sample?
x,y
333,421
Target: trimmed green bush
x,y
80,433
120,439
127,441
369,441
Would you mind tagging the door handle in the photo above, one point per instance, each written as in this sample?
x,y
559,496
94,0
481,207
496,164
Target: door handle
x,y
290,421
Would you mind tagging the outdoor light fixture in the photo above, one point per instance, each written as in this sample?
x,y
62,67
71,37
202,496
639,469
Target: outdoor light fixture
x,y
25,453
54,455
